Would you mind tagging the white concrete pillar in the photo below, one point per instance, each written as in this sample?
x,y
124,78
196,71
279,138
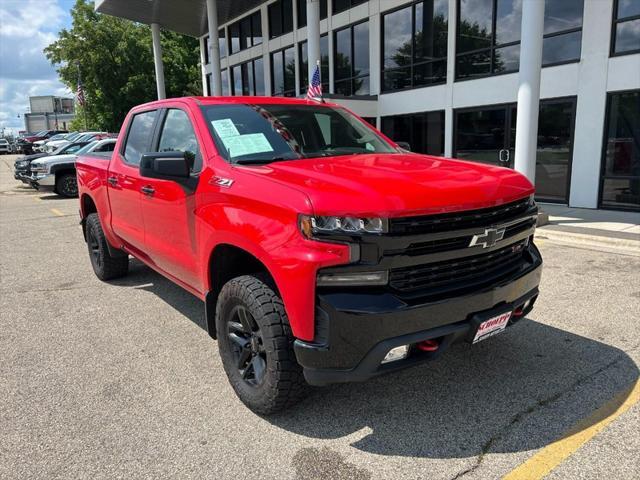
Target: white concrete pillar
x,y
593,76
157,60
529,87
214,47
313,36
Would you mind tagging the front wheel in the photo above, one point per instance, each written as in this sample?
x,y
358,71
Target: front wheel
x,y
67,185
256,346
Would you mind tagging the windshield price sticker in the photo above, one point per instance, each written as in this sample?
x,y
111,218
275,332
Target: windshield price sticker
x,y
248,144
225,128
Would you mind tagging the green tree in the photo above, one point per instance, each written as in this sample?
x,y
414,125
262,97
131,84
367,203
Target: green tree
x,y
115,60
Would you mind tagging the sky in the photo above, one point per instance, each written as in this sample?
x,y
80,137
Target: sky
x,y
26,28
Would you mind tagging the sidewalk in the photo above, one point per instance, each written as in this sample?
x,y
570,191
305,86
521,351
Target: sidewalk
x,y
597,229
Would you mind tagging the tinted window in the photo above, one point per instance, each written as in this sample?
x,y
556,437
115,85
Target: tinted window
x,y
424,132
283,72
139,137
106,147
415,45
302,11
178,136
280,18
626,27
352,60
341,5
483,49
222,42
324,64
234,37
621,169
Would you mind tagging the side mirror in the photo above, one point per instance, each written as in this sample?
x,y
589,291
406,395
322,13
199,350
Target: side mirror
x,y
404,146
165,166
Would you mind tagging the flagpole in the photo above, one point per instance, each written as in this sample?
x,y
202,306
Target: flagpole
x,y
83,105
320,76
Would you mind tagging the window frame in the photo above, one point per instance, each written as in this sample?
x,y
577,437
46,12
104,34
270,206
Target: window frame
x,y
493,47
603,153
294,90
271,6
411,5
154,128
334,52
352,4
159,127
412,129
615,21
238,24
248,64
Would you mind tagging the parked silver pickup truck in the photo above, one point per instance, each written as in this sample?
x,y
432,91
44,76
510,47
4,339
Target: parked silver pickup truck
x,y
58,172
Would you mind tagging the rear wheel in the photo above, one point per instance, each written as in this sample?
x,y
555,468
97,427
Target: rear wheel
x,y
67,185
105,265
256,346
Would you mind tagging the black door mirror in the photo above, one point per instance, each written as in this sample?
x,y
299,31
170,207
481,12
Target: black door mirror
x,y
165,166
404,146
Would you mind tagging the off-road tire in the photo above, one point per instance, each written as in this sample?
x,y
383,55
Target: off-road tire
x,y
283,383
67,185
105,266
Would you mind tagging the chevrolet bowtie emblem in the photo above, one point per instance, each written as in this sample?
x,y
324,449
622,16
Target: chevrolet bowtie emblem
x,y
489,238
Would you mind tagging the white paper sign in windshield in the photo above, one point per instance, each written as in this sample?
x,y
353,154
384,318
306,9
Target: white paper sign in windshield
x,y
247,144
225,128
240,145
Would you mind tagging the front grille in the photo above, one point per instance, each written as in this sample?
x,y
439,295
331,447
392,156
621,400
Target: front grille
x,y
459,220
467,273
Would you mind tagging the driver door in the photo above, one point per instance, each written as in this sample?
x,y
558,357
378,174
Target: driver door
x,y
169,208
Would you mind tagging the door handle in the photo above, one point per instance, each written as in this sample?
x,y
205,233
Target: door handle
x,y
113,181
147,190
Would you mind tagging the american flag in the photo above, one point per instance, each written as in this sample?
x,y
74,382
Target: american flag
x,y
80,94
315,87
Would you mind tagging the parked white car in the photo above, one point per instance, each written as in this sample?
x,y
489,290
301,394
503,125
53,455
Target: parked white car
x,y
4,146
54,143
58,172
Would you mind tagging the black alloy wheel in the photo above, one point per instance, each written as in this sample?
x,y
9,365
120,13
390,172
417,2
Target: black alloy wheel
x,y
67,185
247,346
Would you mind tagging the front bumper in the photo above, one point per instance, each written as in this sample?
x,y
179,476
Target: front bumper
x,y
44,181
355,330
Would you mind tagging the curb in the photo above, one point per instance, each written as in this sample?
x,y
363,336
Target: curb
x,y
557,234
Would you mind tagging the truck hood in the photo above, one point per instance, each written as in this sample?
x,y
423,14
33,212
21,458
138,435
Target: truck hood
x,y
50,159
394,185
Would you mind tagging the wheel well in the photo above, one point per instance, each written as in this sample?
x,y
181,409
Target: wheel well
x,y
88,207
227,262
59,173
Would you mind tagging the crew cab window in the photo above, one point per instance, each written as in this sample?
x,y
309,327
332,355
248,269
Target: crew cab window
x,y
178,136
139,137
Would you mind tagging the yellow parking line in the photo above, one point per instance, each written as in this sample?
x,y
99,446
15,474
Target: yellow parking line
x,y
37,199
543,462
57,212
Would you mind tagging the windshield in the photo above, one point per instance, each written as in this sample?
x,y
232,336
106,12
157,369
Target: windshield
x,y
246,133
68,149
59,136
86,148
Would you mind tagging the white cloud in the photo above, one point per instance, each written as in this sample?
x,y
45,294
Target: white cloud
x,y
26,28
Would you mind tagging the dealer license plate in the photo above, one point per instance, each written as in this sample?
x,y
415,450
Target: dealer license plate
x,y
492,327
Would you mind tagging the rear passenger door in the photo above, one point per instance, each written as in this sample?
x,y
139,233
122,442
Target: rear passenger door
x,y
168,208
124,182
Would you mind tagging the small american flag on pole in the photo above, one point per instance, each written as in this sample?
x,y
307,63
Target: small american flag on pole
x,y
315,87
80,94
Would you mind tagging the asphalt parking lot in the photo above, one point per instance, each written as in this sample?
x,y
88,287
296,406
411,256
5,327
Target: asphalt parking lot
x,y
119,380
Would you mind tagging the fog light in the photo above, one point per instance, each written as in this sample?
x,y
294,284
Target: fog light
x,y
352,279
395,354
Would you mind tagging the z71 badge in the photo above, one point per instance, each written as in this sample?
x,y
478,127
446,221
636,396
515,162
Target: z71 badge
x,y
223,182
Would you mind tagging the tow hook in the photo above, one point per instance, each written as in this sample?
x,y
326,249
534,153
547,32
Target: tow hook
x,y
428,345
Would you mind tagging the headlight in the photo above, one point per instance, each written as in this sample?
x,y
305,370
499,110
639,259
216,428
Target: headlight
x,y
310,226
38,167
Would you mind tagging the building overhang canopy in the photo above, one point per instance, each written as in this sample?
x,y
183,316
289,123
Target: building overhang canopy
x,y
184,16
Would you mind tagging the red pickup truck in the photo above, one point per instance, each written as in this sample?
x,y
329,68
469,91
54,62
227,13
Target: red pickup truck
x,y
322,250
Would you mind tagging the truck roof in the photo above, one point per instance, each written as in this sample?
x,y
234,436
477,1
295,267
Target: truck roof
x,y
238,100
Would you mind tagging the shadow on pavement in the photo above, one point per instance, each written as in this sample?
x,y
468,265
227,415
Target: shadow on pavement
x,y
518,391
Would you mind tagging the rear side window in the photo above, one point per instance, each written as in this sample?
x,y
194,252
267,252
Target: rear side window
x,y
139,137
106,147
178,136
